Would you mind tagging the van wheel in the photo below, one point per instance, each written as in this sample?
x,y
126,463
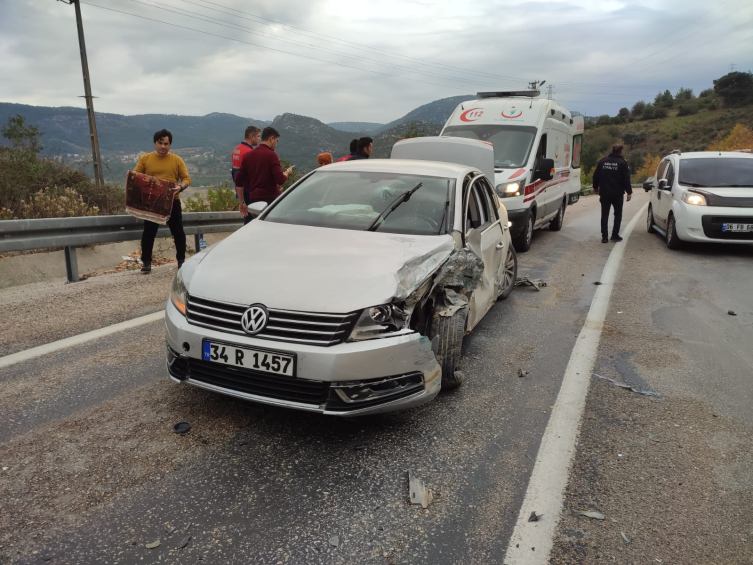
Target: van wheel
x,y
509,274
650,220
450,330
522,243
556,223
673,242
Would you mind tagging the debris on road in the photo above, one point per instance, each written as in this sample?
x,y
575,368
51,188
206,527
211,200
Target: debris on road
x,y
597,283
594,515
181,427
419,494
534,517
169,531
153,544
535,283
334,541
523,373
731,312
628,387
184,542
625,537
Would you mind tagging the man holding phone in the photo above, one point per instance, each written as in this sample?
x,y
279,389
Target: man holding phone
x,y
262,171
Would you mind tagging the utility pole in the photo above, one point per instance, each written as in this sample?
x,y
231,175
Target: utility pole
x,y
550,92
535,84
732,68
97,161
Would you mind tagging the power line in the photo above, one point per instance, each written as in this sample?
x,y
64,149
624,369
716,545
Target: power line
x,y
229,25
265,47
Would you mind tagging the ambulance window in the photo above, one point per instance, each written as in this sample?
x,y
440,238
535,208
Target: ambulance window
x,y
577,146
540,153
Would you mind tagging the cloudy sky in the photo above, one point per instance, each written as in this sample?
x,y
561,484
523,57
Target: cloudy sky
x,y
363,61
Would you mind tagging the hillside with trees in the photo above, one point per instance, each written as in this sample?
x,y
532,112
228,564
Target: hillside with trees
x,y
684,121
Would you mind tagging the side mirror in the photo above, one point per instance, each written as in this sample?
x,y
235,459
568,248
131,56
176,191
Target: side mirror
x,y
664,185
648,184
546,170
257,208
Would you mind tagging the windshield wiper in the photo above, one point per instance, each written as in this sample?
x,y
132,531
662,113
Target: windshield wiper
x,y
741,185
404,197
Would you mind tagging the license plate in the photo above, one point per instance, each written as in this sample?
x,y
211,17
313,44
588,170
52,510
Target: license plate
x,y
249,358
574,198
737,227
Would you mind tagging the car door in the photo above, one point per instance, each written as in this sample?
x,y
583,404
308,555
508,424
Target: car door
x,y
541,196
663,195
484,236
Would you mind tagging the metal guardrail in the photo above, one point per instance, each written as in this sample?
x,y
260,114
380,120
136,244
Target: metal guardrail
x,y
69,233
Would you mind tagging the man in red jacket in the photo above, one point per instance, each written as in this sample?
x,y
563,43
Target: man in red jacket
x,y
250,140
262,171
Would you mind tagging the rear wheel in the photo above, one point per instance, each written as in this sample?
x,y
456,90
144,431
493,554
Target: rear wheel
x,y
450,331
650,220
509,274
556,224
523,241
673,242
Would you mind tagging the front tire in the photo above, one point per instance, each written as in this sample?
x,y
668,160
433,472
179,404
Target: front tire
x,y
450,330
556,224
673,242
509,274
650,220
523,241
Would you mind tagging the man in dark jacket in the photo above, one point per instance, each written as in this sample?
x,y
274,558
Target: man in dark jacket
x,y
261,169
611,182
365,145
353,149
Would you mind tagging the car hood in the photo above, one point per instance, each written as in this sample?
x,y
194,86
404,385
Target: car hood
x,y
727,191
312,269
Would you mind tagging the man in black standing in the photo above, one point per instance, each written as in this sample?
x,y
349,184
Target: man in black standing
x,y
611,182
365,146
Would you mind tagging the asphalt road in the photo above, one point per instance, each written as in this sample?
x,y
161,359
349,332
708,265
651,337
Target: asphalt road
x,y
92,471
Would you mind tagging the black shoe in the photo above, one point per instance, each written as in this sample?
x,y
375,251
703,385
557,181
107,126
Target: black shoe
x,y
146,268
604,240
616,238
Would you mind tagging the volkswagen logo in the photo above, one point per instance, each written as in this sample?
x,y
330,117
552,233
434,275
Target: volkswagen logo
x,y
254,319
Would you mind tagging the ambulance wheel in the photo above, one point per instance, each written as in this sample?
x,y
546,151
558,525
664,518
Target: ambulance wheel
x,y
556,223
522,243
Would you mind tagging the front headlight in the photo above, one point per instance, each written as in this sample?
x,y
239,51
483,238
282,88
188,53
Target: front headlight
x,y
376,321
179,293
693,198
506,190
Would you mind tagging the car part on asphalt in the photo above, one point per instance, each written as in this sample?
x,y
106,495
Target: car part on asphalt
x,y
334,541
184,542
535,283
153,545
181,427
418,492
731,313
594,515
625,537
523,373
628,387
534,517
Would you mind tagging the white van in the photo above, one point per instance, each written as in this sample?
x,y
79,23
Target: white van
x,y
537,146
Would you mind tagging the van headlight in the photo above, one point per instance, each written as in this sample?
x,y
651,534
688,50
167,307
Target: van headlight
x,y
179,293
693,198
508,189
377,321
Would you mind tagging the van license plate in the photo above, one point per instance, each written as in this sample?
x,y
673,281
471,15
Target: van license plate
x,y
249,358
737,227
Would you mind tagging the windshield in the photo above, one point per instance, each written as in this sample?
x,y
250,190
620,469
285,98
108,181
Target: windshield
x,y
717,171
354,201
512,144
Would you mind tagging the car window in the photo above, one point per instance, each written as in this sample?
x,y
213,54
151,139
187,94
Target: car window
x,y
476,213
661,169
492,202
670,174
356,200
717,171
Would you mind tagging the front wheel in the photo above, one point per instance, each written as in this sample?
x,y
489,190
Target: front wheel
x,y
650,220
509,273
673,242
523,241
450,331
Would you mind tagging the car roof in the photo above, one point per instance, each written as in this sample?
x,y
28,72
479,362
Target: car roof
x,y
403,166
712,154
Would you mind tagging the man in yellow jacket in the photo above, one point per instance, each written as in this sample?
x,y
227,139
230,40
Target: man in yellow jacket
x,y
168,166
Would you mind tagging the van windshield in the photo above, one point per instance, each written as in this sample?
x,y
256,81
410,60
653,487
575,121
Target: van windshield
x,y
512,144
710,172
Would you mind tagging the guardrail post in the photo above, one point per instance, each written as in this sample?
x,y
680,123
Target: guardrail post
x,y
71,264
197,241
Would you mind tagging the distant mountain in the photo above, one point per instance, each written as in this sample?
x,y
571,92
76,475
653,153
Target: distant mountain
x,y
435,112
303,138
356,127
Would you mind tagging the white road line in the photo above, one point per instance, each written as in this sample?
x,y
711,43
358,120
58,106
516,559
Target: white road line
x,y
78,339
546,488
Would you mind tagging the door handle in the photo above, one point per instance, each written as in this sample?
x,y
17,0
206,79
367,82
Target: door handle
x,y
501,245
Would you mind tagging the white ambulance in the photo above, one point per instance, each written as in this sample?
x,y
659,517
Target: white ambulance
x,y
537,146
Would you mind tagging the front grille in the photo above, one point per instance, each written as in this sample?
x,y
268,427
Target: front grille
x,y
256,383
283,325
712,227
